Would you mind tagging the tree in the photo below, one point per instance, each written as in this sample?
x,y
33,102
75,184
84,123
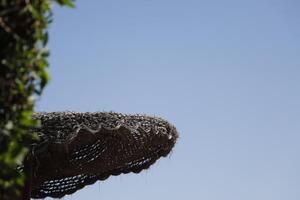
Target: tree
x,y
23,75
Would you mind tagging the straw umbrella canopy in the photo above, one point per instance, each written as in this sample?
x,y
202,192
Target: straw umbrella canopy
x,y
78,149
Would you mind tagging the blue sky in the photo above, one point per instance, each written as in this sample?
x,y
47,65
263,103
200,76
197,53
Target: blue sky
x,y
225,73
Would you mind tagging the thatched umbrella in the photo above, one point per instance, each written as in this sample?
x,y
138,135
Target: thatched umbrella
x,y
78,149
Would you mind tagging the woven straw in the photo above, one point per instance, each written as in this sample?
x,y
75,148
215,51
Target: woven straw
x,y
77,149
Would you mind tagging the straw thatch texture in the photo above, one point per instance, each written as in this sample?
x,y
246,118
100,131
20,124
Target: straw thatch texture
x,y
77,149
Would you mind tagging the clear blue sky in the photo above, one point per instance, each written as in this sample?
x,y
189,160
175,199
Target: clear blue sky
x,y
226,73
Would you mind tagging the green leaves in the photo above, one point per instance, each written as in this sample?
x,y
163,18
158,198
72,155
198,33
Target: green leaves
x,y
23,74
66,2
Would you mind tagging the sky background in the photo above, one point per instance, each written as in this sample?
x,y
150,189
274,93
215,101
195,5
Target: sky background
x,y
225,73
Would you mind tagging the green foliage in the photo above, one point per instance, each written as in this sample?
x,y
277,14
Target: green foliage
x,y
23,75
